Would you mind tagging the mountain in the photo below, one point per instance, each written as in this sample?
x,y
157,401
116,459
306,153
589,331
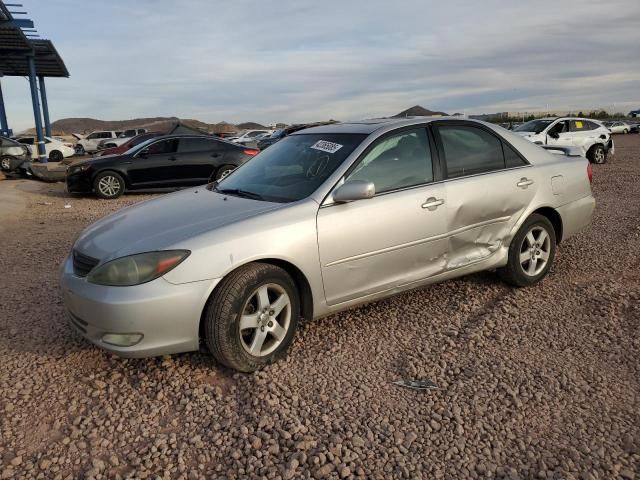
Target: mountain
x,y
418,111
250,126
67,126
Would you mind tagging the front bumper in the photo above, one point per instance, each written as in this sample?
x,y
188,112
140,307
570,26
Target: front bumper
x,y
79,182
167,315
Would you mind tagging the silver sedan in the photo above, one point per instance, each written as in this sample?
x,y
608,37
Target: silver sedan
x,y
324,220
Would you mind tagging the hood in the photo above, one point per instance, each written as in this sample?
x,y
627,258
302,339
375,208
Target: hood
x,y
162,222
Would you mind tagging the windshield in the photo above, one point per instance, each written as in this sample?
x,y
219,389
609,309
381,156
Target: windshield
x,y
535,126
291,169
277,133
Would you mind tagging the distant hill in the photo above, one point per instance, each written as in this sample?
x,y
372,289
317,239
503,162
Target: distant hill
x,y
67,126
418,111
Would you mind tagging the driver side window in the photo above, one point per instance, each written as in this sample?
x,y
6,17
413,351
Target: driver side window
x,y
560,127
398,161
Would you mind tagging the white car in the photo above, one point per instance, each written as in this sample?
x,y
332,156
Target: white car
x,y
590,135
250,136
619,127
124,137
55,149
89,144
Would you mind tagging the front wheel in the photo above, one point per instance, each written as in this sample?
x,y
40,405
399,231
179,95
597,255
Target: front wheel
x,y
597,154
251,318
5,163
108,185
79,149
531,252
625,131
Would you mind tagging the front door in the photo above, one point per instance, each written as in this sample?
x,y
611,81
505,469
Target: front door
x,y
561,129
393,239
156,166
488,187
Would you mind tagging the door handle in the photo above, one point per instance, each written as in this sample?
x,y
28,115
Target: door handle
x,y
215,155
432,203
173,159
524,182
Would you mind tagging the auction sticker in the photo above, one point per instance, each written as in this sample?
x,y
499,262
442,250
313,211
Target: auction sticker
x,y
325,146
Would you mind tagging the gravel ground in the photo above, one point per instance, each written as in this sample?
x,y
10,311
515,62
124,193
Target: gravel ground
x,y
534,383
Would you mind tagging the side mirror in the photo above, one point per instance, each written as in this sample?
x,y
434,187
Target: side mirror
x,y
354,190
554,134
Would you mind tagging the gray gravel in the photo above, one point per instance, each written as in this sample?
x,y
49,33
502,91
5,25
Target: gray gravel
x,y
534,383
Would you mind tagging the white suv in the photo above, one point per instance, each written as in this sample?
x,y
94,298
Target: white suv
x,y
90,143
590,135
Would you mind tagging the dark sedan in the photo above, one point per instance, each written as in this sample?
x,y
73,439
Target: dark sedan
x,y
171,161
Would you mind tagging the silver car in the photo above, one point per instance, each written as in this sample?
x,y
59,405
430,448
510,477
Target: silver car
x,y
326,219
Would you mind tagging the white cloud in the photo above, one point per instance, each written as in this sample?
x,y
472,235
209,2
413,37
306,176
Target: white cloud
x,y
302,61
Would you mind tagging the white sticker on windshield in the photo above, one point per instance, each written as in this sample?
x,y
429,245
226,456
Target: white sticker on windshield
x,y
325,146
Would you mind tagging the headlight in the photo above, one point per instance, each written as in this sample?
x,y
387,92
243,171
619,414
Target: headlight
x,y
137,269
78,169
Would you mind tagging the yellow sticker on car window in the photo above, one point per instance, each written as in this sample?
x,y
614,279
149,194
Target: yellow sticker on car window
x,y
578,124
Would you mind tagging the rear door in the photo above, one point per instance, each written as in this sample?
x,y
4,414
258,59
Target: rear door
x,y
197,158
488,187
156,166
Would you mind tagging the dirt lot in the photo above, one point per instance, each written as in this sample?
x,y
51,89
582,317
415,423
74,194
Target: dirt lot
x,y
534,383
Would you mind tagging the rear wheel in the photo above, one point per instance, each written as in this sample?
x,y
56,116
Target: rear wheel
x,y
531,252
597,154
108,185
79,149
5,163
56,156
252,316
625,131
223,171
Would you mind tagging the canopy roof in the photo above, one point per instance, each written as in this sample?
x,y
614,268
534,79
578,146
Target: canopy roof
x,y
16,48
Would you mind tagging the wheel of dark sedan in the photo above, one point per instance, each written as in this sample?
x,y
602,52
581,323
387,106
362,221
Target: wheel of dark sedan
x,y
531,252
597,154
108,185
56,156
5,163
252,316
224,170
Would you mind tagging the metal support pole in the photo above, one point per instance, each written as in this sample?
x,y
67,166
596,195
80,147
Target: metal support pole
x,y
4,125
45,107
42,154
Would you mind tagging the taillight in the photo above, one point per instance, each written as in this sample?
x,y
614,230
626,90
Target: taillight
x,y
251,152
590,173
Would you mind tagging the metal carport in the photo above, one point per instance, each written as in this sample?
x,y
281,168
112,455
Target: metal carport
x,y
21,56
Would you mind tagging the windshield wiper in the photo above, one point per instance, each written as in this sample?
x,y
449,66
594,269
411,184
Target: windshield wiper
x,y
240,193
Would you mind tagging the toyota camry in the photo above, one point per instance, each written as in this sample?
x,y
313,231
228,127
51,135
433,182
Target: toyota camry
x,y
328,218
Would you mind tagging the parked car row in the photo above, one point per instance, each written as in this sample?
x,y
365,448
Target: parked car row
x,y
100,139
325,219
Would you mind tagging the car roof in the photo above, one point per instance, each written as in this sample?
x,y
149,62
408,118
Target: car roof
x,y
371,125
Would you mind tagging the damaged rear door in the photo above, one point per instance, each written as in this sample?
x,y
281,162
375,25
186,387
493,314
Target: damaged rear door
x,y
395,238
488,186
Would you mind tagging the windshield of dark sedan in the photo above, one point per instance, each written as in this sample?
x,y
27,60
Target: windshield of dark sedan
x,y
140,146
291,169
535,126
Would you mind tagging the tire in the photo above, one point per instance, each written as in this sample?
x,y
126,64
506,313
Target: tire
x,y
625,131
523,269
597,154
223,171
108,185
56,156
5,163
252,289
79,149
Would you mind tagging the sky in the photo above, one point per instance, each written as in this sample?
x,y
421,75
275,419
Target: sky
x,y
298,61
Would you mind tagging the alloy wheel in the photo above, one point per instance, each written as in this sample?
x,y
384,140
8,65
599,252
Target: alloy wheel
x,y
599,155
535,251
265,319
109,186
5,163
